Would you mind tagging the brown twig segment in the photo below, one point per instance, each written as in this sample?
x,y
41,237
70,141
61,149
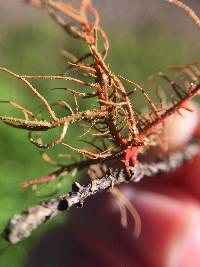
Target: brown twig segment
x,y
187,9
21,226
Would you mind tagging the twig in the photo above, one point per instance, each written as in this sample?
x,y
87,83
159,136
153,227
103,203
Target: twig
x,y
21,226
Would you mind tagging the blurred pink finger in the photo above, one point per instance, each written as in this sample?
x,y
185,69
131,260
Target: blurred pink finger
x,y
188,177
170,233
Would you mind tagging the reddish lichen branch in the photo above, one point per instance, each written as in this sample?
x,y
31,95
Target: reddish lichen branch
x,y
114,118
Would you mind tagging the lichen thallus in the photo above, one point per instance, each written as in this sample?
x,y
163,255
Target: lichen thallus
x,y
115,118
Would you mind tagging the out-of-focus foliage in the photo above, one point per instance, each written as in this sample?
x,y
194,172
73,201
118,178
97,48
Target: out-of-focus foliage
x,y
34,49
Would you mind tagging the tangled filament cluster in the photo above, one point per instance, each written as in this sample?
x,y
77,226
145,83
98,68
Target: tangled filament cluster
x,y
115,117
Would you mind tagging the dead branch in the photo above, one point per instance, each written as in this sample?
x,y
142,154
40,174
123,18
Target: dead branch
x,y
21,226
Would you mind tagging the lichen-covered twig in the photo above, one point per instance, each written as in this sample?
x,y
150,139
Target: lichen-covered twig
x,y
21,226
116,129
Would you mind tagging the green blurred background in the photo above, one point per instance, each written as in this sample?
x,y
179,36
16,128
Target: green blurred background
x,y
144,37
